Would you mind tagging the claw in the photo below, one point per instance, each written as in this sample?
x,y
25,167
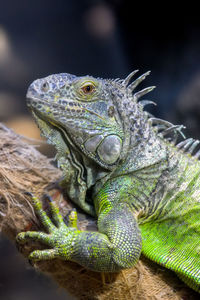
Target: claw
x,y
30,262
48,197
18,246
29,194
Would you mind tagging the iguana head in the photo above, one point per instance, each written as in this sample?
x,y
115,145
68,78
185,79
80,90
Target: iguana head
x,y
93,115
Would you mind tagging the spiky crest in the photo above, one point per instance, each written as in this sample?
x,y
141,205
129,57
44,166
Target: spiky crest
x,y
189,145
130,87
136,82
128,78
147,102
165,129
143,92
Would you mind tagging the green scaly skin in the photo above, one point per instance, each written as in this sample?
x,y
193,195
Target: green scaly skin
x,y
144,187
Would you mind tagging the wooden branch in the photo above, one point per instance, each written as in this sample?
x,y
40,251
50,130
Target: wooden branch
x,y
23,168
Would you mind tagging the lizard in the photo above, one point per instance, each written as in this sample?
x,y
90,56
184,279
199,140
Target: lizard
x,y
124,167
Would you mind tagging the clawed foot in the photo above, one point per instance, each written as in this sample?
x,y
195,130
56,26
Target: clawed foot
x,y
59,237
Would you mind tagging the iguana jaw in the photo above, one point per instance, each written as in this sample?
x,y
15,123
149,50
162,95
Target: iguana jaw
x,y
48,128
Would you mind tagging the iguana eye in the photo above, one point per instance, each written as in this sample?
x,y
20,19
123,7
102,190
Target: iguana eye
x,y
45,87
88,88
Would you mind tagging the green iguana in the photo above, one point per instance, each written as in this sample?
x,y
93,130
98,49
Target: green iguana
x,y
123,166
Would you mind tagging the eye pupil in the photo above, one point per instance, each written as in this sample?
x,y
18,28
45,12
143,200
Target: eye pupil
x,y
87,89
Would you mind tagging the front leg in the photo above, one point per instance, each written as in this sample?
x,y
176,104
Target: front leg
x,y
117,245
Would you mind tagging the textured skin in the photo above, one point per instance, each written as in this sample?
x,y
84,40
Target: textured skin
x,y
122,166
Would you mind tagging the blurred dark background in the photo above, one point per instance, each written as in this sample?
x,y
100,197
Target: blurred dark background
x,y
101,38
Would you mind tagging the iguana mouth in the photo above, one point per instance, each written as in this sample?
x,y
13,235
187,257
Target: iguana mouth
x,y
39,102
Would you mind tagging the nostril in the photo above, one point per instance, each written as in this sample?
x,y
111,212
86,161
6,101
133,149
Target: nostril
x,y
45,86
30,91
